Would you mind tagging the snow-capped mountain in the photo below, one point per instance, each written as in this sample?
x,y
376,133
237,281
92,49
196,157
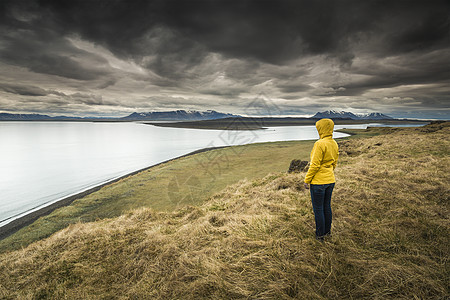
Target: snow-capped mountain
x,y
178,115
373,116
332,114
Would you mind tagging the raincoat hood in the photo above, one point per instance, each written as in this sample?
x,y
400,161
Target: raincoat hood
x,y
325,127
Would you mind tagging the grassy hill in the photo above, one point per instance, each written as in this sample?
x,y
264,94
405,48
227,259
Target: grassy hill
x,y
255,239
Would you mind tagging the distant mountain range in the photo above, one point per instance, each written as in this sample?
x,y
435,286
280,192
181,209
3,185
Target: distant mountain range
x,y
183,115
332,114
33,117
178,115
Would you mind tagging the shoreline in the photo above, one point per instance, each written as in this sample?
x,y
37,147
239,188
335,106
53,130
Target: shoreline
x,y
265,123
25,220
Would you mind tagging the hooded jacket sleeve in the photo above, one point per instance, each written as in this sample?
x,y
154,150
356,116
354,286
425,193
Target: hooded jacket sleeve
x,y
335,162
316,160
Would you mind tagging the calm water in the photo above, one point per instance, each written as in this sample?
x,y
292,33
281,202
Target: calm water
x,y
42,162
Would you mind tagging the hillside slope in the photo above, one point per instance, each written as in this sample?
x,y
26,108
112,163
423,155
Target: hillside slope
x,y
255,239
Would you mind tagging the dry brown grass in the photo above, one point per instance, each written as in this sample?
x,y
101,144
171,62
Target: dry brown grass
x,y
255,239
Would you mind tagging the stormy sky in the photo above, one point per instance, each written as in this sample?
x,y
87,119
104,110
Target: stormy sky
x,y
114,57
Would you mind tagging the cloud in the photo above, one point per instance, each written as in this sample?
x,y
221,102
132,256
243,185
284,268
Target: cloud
x,y
293,87
394,71
138,54
23,90
269,31
47,53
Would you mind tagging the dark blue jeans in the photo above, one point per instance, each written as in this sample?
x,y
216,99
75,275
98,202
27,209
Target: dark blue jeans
x,y
321,202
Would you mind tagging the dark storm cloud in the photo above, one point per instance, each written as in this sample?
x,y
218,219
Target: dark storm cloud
x,y
293,88
270,31
418,27
27,90
43,51
61,66
23,90
226,48
90,99
408,69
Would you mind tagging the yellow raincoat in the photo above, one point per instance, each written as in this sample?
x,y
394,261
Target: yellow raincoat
x,y
324,155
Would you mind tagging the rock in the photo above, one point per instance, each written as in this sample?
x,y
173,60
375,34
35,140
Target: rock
x,y
297,166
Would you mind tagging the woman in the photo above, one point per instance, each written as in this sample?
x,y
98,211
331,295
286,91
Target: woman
x,y
320,176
